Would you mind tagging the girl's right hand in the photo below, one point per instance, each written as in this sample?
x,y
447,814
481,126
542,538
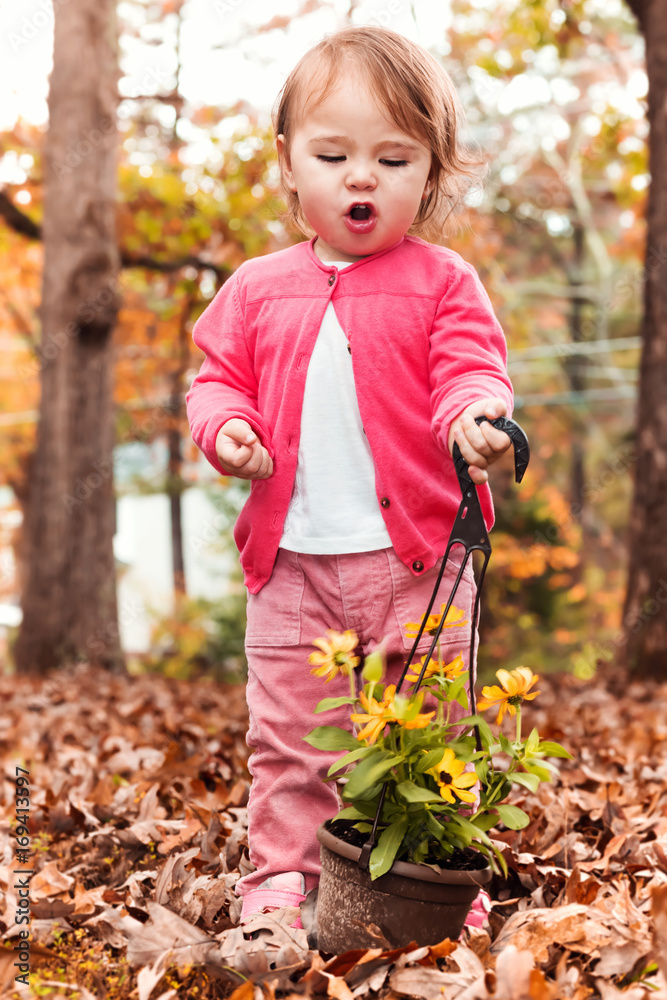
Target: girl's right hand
x,y
240,451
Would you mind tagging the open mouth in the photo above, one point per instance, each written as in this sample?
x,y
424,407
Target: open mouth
x,y
361,219
361,213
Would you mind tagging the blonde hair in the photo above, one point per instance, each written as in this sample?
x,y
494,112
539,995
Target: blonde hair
x,y
418,95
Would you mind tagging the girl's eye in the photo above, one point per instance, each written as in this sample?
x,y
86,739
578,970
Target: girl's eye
x,y
339,159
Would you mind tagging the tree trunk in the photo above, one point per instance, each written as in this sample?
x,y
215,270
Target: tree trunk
x,y
69,598
175,484
175,490
645,612
573,365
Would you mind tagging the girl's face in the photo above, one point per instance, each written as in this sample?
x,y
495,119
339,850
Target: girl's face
x,y
347,153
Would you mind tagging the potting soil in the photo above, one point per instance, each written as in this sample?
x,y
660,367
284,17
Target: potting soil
x,y
466,860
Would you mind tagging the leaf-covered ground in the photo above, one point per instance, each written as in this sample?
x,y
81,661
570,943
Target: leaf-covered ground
x,y
137,828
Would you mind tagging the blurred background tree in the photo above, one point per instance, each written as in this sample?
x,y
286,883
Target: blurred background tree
x,y
69,590
645,610
553,92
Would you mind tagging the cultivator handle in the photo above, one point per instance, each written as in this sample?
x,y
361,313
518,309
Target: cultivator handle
x,y
521,450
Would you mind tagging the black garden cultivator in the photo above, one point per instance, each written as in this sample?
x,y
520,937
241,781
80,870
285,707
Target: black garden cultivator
x,y
469,530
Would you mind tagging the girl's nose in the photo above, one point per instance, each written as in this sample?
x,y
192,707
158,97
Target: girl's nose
x,y
360,175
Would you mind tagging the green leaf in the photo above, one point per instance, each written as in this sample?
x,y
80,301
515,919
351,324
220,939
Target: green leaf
x,y
366,809
373,669
465,749
550,749
540,766
513,817
414,793
349,758
331,738
495,857
457,686
458,836
470,830
420,852
486,821
390,810
483,726
349,812
530,781
532,741
369,773
410,741
384,854
540,772
462,699
482,770
436,828
328,703
469,742
429,759
507,746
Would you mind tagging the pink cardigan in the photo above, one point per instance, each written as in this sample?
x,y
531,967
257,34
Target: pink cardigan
x,y
425,344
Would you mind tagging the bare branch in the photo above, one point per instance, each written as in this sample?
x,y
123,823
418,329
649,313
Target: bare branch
x,y
586,293
571,175
167,266
23,224
18,220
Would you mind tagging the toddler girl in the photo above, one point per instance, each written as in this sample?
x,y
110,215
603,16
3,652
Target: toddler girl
x,y
338,373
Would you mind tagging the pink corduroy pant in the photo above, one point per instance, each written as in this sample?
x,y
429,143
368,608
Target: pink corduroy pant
x,y
374,594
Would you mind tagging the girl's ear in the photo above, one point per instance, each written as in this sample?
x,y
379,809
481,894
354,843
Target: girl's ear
x,y
284,161
430,183
428,187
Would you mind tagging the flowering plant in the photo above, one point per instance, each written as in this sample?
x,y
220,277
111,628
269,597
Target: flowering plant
x,y
445,785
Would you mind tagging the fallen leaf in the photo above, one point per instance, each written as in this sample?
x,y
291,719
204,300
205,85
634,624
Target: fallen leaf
x,y
535,930
49,882
513,973
167,932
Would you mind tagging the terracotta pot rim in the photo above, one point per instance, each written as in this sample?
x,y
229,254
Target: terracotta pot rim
x,y
408,869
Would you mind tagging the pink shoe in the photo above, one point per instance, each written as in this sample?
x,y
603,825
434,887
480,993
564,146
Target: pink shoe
x,y
285,889
479,910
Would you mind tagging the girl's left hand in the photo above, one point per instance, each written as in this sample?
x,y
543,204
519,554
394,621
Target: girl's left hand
x,y
481,445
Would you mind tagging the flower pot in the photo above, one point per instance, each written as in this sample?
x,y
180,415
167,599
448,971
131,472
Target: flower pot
x,y
409,903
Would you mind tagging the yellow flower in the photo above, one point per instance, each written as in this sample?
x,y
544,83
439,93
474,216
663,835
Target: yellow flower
x,y
453,778
515,687
336,656
406,711
450,671
453,620
392,708
376,716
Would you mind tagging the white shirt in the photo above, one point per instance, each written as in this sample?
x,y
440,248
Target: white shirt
x,y
334,506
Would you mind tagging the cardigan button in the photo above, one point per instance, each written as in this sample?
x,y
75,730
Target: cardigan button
x,y
332,278
385,502
418,566
349,349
